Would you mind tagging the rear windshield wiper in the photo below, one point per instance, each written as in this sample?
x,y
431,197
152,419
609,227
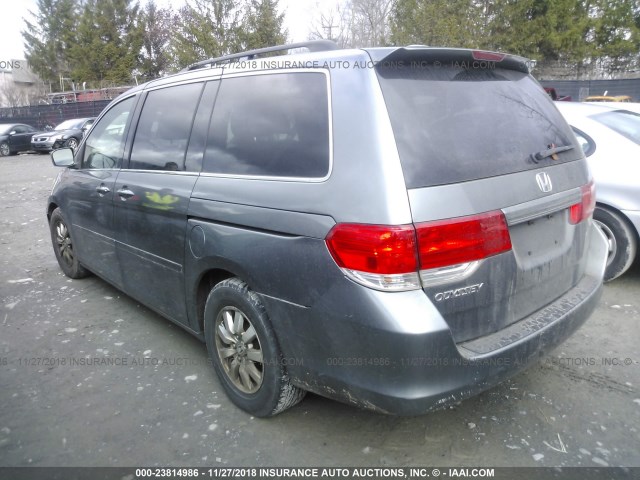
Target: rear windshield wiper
x,y
552,151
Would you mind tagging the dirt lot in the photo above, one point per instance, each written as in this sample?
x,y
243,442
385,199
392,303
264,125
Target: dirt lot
x,y
163,405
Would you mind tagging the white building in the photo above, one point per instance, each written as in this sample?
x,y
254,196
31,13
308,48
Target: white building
x,y
19,86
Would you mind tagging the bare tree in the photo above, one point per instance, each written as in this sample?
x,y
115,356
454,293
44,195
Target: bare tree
x,y
12,95
354,23
371,22
333,23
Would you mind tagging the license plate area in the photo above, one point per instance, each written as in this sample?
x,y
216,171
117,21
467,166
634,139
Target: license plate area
x,y
542,240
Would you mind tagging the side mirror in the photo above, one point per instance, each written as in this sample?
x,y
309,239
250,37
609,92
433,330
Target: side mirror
x,y
12,132
62,157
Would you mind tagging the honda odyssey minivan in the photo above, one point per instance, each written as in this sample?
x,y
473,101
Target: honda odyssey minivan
x,y
395,228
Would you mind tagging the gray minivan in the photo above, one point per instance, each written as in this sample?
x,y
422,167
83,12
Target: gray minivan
x,y
395,228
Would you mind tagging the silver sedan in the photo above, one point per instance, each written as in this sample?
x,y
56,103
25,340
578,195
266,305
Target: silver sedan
x,y
610,138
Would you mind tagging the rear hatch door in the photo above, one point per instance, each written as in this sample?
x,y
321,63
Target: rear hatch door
x,y
487,158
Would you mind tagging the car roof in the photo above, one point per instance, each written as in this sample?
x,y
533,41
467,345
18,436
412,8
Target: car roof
x,y
585,109
630,106
377,54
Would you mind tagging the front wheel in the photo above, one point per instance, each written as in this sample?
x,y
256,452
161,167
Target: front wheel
x,y
63,247
5,151
244,351
621,239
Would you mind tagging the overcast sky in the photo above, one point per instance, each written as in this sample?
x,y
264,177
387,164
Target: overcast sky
x,y
298,19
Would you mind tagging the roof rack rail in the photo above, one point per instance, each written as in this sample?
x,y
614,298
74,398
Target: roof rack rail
x,y
312,46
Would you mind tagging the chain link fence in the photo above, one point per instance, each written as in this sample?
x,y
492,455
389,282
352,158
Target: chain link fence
x,y
43,116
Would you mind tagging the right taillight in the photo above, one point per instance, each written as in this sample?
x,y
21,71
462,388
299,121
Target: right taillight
x,y
584,210
391,257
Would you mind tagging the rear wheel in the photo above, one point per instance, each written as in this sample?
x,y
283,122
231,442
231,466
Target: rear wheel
x,y
621,239
4,149
244,351
63,247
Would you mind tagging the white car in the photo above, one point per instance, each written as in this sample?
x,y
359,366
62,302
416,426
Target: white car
x,y
610,138
630,106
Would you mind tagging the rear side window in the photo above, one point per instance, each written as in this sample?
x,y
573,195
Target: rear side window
x,y
274,125
454,123
163,131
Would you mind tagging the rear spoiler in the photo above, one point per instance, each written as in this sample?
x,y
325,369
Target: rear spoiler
x,y
422,56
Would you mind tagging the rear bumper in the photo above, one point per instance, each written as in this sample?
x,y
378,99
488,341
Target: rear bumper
x,y
393,353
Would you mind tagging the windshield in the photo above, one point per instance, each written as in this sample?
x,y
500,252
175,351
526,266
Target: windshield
x,y
625,123
73,124
453,123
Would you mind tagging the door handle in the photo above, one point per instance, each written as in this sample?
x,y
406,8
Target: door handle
x,y
125,193
102,190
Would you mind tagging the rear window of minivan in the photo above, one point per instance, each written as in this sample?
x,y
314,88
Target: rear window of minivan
x,y
270,125
454,124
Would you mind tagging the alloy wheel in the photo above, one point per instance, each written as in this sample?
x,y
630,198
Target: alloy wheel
x,y
63,243
611,241
239,351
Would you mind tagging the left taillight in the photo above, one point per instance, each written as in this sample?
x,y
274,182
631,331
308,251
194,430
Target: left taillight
x,y
396,258
378,256
584,210
461,240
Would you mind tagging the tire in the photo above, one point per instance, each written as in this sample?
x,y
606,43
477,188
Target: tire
x,y
5,151
63,247
244,351
622,240
72,143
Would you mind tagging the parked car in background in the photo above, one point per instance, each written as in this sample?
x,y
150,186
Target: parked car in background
x,y
67,134
629,106
611,140
608,98
15,138
556,96
467,252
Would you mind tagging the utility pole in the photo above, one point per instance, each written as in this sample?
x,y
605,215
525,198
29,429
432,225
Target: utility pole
x,y
329,30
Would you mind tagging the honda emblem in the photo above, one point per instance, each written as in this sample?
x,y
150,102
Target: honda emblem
x,y
544,182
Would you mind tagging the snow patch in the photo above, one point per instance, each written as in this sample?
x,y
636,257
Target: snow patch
x,y
190,378
538,456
